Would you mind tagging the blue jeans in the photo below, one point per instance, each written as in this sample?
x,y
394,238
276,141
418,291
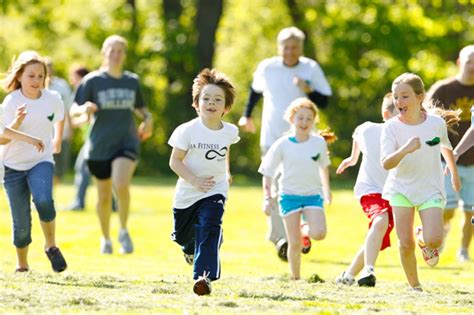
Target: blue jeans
x,y
20,186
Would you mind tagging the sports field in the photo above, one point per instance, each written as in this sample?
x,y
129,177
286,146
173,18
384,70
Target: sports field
x,y
156,279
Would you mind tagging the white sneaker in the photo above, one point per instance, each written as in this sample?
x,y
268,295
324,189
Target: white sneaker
x,y
105,246
126,242
430,255
463,255
345,279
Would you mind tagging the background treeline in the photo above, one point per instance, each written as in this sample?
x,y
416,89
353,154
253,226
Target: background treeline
x,y
361,46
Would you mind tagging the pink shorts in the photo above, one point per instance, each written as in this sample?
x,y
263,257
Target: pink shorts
x,y
373,205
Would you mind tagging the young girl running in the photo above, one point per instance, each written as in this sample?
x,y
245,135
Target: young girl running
x,y
368,189
304,180
411,145
27,171
200,158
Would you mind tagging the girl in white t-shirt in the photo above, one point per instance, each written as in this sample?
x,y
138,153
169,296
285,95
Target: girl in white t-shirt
x,y
28,172
411,145
304,182
200,158
368,189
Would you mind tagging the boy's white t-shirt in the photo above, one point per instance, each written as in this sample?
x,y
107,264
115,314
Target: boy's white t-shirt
x,y
275,81
42,114
206,153
419,175
2,129
300,163
371,177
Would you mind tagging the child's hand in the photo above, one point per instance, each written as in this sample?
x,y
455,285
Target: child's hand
x,y
344,164
246,123
328,198
456,182
20,113
412,145
56,146
39,145
229,178
91,107
204,184
145,129
267,206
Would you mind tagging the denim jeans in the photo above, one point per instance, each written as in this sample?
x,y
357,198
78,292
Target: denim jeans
x,y
81,179
20,185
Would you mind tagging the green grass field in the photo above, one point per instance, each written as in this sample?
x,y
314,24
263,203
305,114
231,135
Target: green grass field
x,y
156,279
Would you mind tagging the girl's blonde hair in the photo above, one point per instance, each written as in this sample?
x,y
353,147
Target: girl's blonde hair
x,y
304,102
451,117
387,104
109,41
26,58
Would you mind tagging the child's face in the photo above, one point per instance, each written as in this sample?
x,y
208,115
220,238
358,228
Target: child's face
x,y
115,54
32,80
466,65
303,120
291,50
212,102
405,99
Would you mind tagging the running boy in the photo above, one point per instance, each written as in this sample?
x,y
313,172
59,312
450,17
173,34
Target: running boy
x,y
200,158
368,189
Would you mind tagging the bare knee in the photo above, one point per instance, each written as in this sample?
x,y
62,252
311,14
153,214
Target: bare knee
x,y
380,225
406,247
317,234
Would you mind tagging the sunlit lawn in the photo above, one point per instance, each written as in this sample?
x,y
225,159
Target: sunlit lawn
x,y
156,278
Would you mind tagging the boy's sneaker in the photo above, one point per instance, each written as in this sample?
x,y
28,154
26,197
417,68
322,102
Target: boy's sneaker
x,y
105,246
202,286
430,255
368,278
126,242
463,255
22,269
189,259
345,279
282,249
56,258
416,289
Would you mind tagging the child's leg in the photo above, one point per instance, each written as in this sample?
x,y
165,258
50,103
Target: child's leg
x,y
316,222
404,218
357,263
293,234
40,181
18,194
209,237
104,205
432,221
374,238
184,232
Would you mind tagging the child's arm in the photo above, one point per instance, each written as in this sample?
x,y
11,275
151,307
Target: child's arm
x,y
466,142
451,164
392,160
227,162
203,184
20,114
12,134
267,194
88,108
58,136
324,174
351,160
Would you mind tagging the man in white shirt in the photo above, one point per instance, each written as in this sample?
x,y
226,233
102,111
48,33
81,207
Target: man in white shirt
x,y
280,80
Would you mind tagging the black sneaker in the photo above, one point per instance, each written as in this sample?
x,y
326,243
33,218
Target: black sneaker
x,y
367,281
282,249
202,286
56,258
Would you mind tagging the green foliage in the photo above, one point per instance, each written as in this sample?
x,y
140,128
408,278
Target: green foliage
x,y
361,46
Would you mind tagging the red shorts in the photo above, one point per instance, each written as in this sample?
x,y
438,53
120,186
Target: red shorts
x,y
373,205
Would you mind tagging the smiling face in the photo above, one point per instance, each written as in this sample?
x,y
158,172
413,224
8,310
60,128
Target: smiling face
x,y
211,102
291,50
303,121
32,80
405,99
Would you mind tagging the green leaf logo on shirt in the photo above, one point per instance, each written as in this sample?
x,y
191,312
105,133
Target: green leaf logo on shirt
x,y
51,117
316,157
433,141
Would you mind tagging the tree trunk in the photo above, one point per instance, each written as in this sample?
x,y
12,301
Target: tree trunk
x,y
299,20
207,20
